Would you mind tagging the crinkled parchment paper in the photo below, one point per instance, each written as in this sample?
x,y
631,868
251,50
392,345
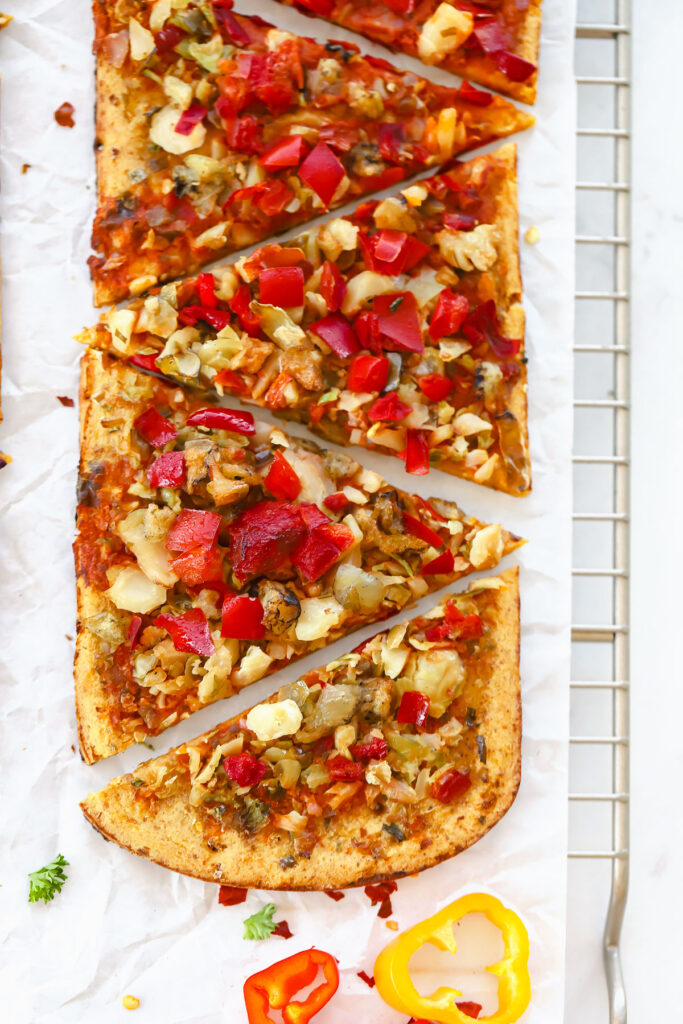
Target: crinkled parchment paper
x,y
121,924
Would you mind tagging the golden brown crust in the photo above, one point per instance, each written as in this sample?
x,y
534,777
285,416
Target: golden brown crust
x,y
170,836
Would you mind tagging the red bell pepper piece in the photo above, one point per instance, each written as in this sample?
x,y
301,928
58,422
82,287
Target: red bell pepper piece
x,y
206,290
193,528
513,67
283,930
190,118
417,453
167,470
134,631
242,618
482,325
244,769
199,566
332,286
375,750
443,563
240,306
282,286
476,96
470,1009
287,152
155,428
391,252
460,221
414,708
456,626
146,362
243,134
401,6
231,380
229,23
313,516
322,7
323,172
321,549
448,315
282,480
275,987
391,141
216,418
271,196
399,322
263,537
338,333
168,38
366,326
343,770
189,631
367,373
272,255
216,318
231,896
388,407
435,386
488,35
450,785
337,502
416,528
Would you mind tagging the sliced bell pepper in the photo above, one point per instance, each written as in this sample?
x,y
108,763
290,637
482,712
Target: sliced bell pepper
x,y
337,502
198,566
287,152
338,333
146,361
450,785
460,221
282,286
416,528
244,769
449,314
332,286
206,290
375,750
414,708
216,418
155,428
443,563
242,618
368,373
244,135
388,407
134,631
435,386
395,984
323,172
392,252
366,326
240,304
478,97
167,470
189,631
282,480
190,118
193,528
168,37
216,318
322,547
417,453
481,324
232,381
274,988
399,322
514,67
263,538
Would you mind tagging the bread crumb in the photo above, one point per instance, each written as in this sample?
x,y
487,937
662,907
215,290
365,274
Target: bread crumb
x,y
532,235
393,925
130,1003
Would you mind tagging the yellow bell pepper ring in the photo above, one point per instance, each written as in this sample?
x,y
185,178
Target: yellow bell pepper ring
x,y
395,985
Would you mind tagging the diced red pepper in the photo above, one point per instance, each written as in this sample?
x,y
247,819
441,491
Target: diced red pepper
x,y
282,480
366,326
476,96
391,141
206,290
282,286
337,502
244,769
401,6
189,631
155,428
375,750
240,306
332,286
201,565
243,134
223,419
435,386
193,528
488,35
146,362
168,38
470,1009
459,221
367,373
287,152
229,23
216,318
416,528
263,538
242,618
450,785
134,631
513,67
456,626
338,333
231,380
323,172
443,563
391,252
167,470
398,321
343,770
387,408
414,708
417,453
482,325
322,7
231,895
283,930
190,118
313,516
272,255
449,314
334,894
381,893
321,549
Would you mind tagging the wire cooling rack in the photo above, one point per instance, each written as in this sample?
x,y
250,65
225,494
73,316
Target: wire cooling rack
x,y
599,757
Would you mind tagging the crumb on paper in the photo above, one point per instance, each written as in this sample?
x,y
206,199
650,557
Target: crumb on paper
x,y
5,20
4,460
64,115
25,168
130,1002
65,400
532,235
393,925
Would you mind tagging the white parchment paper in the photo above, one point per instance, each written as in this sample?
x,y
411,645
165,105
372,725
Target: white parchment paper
x,y
121,924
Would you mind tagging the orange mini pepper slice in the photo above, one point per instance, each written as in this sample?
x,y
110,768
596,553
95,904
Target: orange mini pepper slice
x,y
274,987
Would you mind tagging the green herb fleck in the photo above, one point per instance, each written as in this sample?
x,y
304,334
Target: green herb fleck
x,y
260,925
395,304
471,717
138,782
481,747
48,881
153,75
396,831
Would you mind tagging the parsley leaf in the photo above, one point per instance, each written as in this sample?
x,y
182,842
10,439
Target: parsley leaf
x,y
260,925
395,304
48,881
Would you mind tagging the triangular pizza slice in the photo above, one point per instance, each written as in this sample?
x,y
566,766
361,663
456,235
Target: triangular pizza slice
x,y
213,550
216,130
399,327
492,43
387,761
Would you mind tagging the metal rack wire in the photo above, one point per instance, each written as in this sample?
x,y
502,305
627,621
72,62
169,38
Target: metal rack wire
x,y
599,760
